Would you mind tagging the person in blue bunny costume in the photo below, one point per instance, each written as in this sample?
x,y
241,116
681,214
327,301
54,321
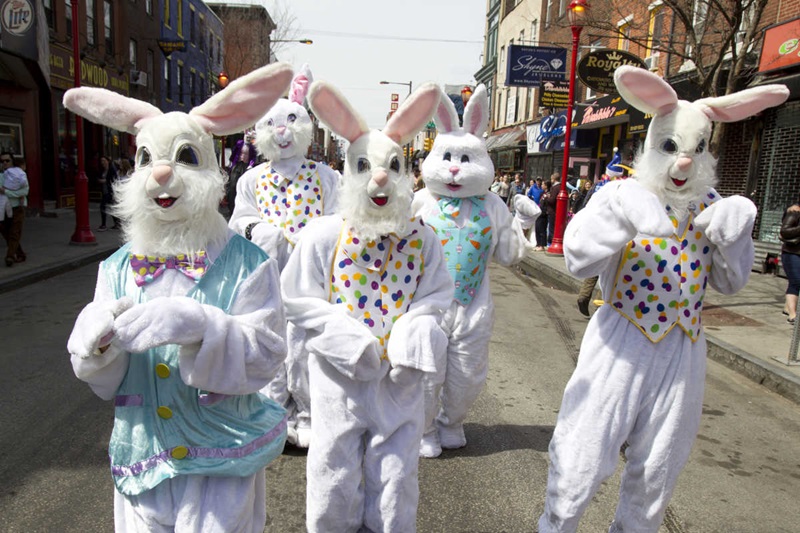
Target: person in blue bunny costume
x,y
187,322
474,227
656,240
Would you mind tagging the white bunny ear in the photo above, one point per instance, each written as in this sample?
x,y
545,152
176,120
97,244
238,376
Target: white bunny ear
x,y
644,90
244,101
738,106
476,114
300,85
446,117
108,108
333,109
412,116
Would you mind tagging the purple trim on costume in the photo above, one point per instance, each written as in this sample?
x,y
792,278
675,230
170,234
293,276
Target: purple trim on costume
x,y
128,400
210,398
218,453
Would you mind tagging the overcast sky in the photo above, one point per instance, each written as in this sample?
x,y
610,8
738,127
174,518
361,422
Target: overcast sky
x,y
358,43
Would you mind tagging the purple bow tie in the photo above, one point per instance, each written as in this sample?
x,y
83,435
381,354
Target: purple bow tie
x,y
146,268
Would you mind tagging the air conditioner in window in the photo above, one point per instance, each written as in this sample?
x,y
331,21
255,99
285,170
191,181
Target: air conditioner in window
x,y
651,62
138,77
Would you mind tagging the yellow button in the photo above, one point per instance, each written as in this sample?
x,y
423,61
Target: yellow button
x,y
162,370
179,452
164,412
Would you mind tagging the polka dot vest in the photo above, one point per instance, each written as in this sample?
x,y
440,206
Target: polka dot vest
x,y
290,204
377,280
466,242
661,282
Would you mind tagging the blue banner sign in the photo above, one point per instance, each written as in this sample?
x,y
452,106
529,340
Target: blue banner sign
x,y
529,66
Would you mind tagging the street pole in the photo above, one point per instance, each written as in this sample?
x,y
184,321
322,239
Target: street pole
x,y
577,10
83,232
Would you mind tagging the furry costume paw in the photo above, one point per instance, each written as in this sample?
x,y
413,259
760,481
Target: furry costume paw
x,y
643,210
526,210
726,220
174,320
94,327
404,376
349,347
416,342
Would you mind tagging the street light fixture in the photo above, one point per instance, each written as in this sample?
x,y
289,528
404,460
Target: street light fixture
x,y
409,84
577,13
301,41
83,232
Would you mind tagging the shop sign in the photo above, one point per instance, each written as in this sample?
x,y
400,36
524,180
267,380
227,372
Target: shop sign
x,y
548,135
62,73
639,121
781,46
554,95
596,69
18,28
529,66
602,109
171,45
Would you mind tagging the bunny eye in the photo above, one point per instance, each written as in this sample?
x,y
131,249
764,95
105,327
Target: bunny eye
x,y
446,156
465,158
668,146
395,164
291,118
143,158
363,165
701,147
270,123
188,156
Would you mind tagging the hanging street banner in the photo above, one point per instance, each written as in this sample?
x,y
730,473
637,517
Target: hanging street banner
x,y
530,66
554,95
596,69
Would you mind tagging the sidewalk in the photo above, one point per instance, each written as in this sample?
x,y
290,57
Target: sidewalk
x,y
746,332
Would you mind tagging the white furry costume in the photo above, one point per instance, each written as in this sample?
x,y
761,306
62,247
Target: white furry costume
x,y
274,202
369,288
655,241
474,227
186,325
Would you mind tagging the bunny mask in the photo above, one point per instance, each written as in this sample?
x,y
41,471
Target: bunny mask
x,y
285,131
170,203
459,165
675,163
375,194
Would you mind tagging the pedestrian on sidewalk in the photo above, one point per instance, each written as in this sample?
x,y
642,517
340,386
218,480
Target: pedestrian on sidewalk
x,y
107,177
790,257
14,185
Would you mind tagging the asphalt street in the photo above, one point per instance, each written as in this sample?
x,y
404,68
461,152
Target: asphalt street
x,y
743,476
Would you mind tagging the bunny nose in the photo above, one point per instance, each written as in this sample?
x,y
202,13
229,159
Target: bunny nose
x,y
454,170
280,129
161,173
381,178
683,163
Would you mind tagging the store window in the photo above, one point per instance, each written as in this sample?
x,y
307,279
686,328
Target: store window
x,y
91,23
108,34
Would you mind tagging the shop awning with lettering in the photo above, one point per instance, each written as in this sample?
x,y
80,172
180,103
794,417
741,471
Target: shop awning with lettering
x,y
608,111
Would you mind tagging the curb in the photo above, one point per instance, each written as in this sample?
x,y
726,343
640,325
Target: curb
x,y
773,377
53,269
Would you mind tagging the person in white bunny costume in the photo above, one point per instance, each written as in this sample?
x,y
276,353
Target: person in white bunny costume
x,y
656,240
187,322
369,286
474,227
274,202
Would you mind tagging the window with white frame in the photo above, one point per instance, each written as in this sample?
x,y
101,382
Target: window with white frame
x,y
595,45
655,33
624,33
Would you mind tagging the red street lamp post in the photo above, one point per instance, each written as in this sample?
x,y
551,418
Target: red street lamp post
x,y
83,232
223,82
577,16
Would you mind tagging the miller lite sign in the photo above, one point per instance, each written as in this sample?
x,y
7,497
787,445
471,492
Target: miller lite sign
x,y
16,17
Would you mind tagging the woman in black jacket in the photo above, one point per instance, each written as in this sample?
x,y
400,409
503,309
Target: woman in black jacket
x,y
790,257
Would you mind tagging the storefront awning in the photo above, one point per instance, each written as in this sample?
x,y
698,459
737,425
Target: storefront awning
x,y
505,140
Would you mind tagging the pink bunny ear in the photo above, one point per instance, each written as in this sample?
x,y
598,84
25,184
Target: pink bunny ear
x,y
300,84
109,108
738,106
244,101
415,112
446,117
476,114
333,109
644,90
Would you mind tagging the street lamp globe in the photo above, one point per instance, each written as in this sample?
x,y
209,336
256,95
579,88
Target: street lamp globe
x,y
223,79
577,13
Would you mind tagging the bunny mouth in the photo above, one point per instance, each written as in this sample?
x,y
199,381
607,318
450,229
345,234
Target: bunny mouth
x,y
380,201
453,186
285,145
166,202
678,183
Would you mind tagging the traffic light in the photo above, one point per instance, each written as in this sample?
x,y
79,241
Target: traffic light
x,y
428,144
405,151
410,151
